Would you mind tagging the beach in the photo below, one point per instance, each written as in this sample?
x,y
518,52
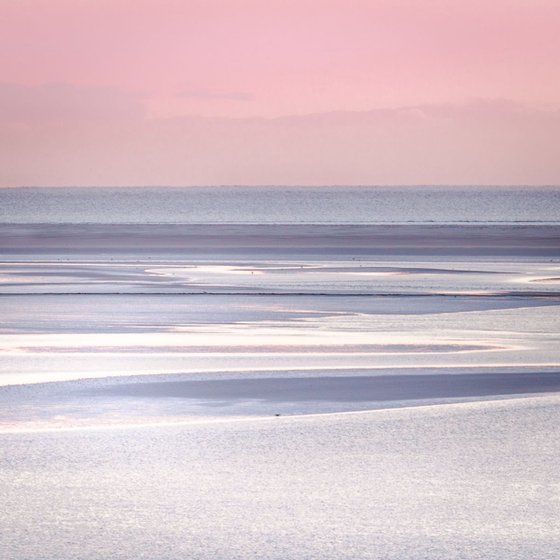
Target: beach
x,y
331,390
449,481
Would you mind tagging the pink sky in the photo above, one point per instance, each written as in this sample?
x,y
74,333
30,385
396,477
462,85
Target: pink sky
x,y
121,92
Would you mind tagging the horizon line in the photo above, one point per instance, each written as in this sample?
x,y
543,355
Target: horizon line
x,y
290,185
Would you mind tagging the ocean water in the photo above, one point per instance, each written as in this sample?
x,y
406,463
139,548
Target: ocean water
x,y
280,205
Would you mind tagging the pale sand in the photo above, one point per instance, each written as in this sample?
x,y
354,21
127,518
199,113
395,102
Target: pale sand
x,y
453,482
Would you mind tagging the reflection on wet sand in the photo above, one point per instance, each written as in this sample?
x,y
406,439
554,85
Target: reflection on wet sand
x,y
236,300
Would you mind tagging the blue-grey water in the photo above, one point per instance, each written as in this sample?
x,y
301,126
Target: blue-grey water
x,y
280,205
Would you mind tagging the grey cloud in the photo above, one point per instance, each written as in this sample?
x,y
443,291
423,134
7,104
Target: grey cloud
x,y
216,95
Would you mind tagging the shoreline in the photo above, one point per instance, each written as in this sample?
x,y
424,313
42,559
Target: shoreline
x,y
180,399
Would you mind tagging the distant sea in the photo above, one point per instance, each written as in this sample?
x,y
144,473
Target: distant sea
x,y
281,205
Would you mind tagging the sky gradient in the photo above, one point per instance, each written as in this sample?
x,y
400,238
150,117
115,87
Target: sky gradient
x,y
168,92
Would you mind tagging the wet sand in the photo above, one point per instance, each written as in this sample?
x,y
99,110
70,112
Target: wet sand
x,y
275,240
307,391
105,300
344,389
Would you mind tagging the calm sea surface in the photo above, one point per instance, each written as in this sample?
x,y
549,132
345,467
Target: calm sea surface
x,y
271,205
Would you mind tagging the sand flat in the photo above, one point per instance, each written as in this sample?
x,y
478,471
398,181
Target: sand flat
x,y
415,370
473,480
